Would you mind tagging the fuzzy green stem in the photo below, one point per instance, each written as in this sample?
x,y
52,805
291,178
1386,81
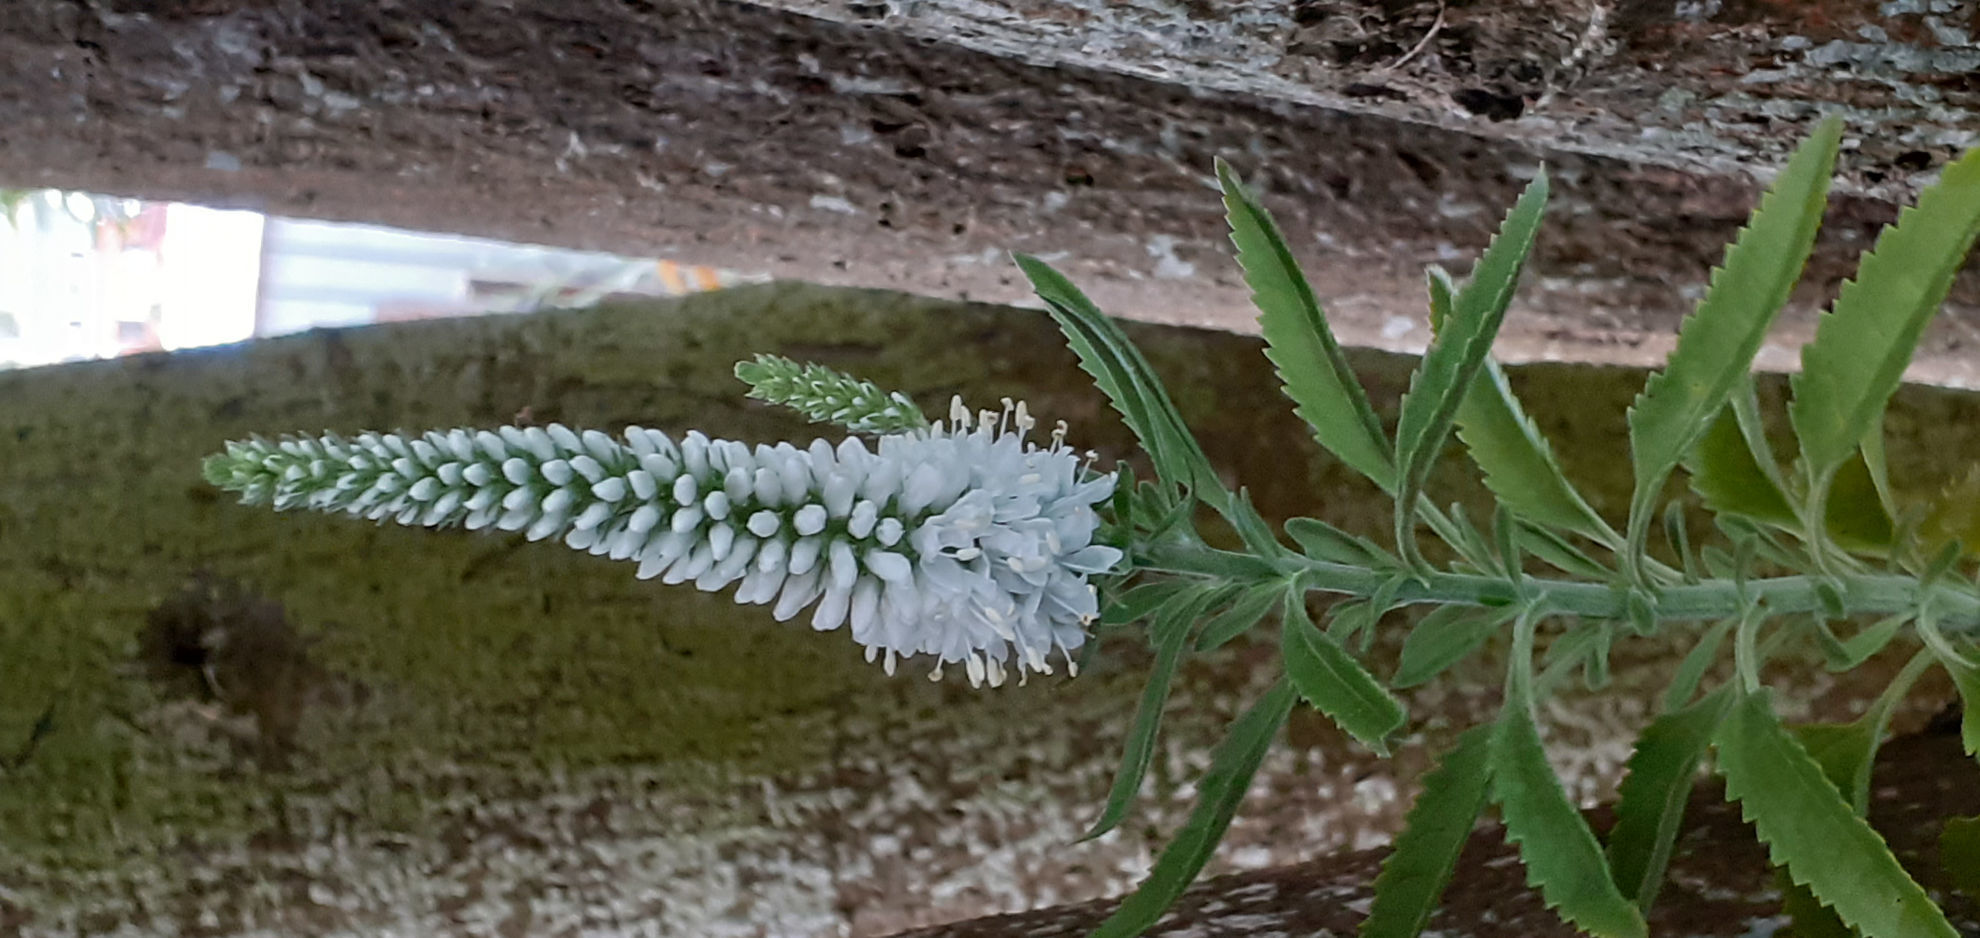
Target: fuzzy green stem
x,y
1956,608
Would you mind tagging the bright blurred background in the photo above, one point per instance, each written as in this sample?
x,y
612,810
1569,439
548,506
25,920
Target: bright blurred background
x,y
90,276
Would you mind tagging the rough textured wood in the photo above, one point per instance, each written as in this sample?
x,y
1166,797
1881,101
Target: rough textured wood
x,y
451,734
760,138
1710,87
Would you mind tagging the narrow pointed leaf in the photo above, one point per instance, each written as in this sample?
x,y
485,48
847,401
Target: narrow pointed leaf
x,y
1121,373
1725,474
1717,342
1650,803
1420,863
1847,751
1447,635
1169,634
1517,461
1555,550
1811,831
1249,608
1864,344
1846,654
1323,541
1311,366
1232,765
1562,857
1458,352
1330,679
1844,751
1138,603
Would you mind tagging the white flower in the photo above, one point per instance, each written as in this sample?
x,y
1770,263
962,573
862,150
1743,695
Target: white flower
x,y
965,542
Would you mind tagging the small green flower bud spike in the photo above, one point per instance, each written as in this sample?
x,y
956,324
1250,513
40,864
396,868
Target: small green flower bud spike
x,y
828,396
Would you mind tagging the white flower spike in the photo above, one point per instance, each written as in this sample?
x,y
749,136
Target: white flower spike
x,y
964,542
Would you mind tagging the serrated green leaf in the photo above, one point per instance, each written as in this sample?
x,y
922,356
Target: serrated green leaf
x,y
1136,604
1458,353
1323,541
1169,634
1232,764
1717,342
1863,345
1563,859
1121,373
1516,459
1243,614
1078,319
1313,370
1334,682
1445,636
1843,750
1811,831
1420,863
1807,916
1726,475
1555,550
1650,803
1856,650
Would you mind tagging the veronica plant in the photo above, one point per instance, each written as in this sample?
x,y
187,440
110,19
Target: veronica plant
x,y
969,542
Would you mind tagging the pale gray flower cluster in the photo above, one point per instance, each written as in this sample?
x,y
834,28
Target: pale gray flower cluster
x,y
966,542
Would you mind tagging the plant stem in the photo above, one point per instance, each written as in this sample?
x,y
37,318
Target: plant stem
x,y
1956,608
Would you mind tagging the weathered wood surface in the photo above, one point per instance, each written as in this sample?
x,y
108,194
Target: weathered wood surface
x,y
761,138
1711,87
463,735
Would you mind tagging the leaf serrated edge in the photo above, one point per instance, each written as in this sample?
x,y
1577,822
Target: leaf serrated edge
x,y
1170,634
1911,913
1232,765
1521,455
1539,820
1640,843
1329,678
1425,854
1679,402
1836,395
1311,367
1442,380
